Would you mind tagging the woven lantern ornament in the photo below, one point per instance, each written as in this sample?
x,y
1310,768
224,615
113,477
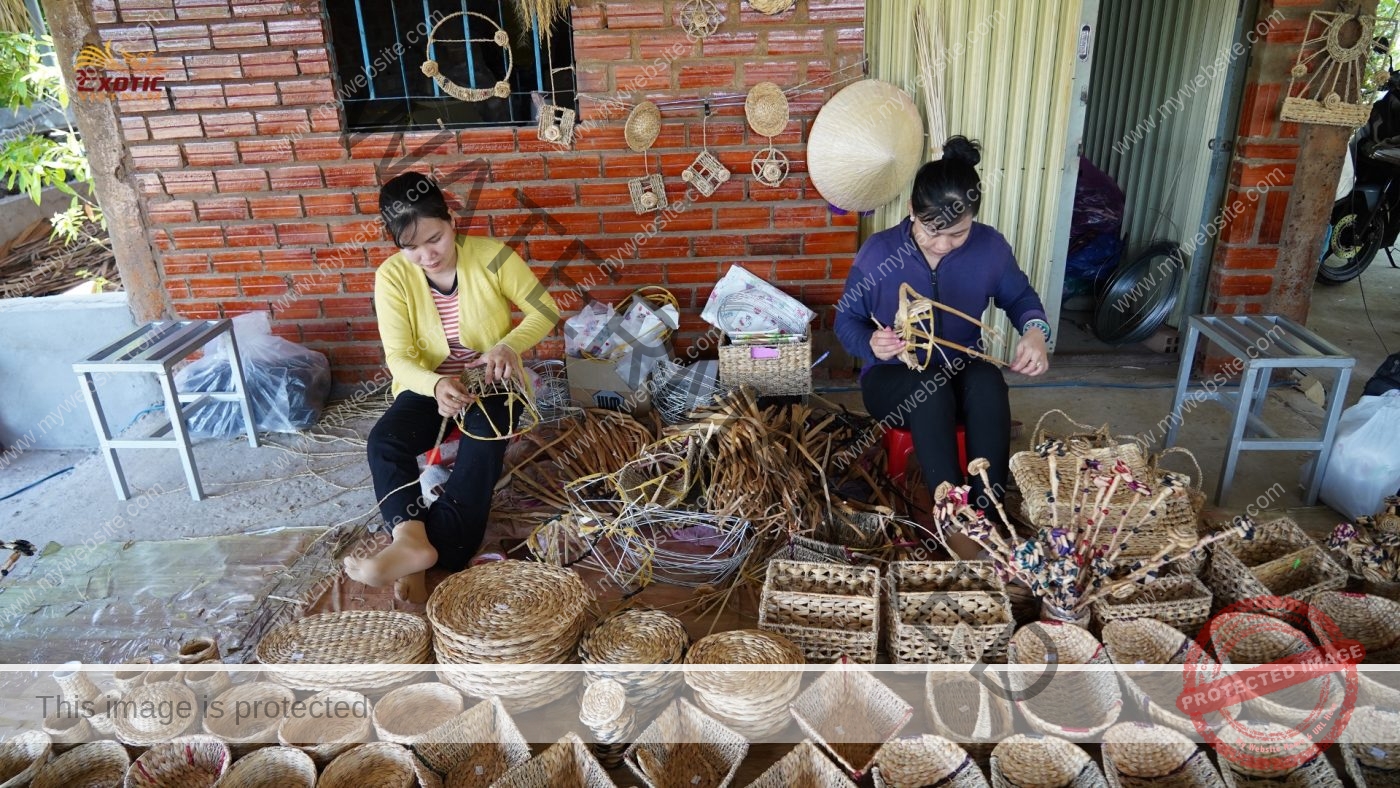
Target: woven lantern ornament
x,y
641,130
766,109
706,173
556,122
700,18
500,38
865,145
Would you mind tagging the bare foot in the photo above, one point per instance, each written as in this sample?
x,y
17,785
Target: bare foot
x,y
410,553
413,588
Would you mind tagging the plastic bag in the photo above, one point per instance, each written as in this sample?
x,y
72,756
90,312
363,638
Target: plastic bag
x,y
287,384
773,309
1364,466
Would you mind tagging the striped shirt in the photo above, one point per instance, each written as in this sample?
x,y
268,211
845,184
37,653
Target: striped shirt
x,y
458,356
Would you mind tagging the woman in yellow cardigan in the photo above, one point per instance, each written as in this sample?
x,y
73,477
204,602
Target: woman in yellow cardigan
x,y
444,304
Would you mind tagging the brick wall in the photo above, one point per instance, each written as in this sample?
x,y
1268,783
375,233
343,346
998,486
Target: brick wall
x,y
1281,182
255,199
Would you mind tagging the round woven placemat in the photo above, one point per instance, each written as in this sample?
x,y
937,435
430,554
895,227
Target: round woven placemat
x,y
766,109
508,612
353,637
643,126
771,7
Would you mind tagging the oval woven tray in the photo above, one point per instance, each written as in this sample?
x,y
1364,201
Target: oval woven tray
x,y
354,637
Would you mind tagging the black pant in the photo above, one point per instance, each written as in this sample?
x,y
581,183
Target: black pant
x,y
972,392
456,521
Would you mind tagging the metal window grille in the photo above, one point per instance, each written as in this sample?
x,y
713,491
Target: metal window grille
x,y
380,46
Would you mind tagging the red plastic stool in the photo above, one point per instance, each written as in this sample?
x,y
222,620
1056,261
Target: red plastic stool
x,y
434,456
899,444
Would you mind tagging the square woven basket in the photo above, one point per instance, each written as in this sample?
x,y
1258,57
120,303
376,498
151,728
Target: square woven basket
x,y
926,600
1181,601
686,746
828,610
850,713
1281,560
783,369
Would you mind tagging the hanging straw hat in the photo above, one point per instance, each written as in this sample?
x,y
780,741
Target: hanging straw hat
x,y
771,7
865,145
643,126
767,109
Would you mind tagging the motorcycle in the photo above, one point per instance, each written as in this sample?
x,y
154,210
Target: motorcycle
x,y
1366,215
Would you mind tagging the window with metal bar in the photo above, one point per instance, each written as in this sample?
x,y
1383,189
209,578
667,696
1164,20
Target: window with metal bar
x,y
381,45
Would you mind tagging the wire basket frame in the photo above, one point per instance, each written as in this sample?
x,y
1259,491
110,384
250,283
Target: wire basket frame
x,y
517,400
553,401
676,547
679,389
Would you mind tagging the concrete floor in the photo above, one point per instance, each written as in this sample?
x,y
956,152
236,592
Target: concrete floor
x,y
323,482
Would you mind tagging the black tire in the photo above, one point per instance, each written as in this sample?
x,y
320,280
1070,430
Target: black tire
x,y
1348,253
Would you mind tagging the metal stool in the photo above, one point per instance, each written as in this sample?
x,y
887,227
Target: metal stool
x,y
156,348
1260,344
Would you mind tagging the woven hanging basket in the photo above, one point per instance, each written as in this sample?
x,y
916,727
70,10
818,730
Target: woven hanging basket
x,y
184,762
686,746
1137,755
272,767
865,145
95,763
916,761
352,637
642,127
766,109
21,756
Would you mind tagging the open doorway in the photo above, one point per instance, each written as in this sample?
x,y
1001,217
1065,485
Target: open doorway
x,y
1163,101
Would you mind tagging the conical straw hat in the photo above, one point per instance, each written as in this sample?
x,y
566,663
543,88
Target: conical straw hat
x,y
643,126
865,145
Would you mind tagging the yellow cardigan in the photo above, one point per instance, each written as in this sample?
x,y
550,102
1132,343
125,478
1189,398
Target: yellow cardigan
x,y
490,277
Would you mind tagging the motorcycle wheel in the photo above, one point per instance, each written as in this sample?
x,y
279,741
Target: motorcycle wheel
x,y
1348,249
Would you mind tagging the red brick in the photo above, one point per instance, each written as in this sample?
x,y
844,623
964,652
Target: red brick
x,y
663,246
302,234
184,263
357,233
636,14
730,42
1269,151
1267,175
320,283
850,39
264,285
251,94
350,176
210,154
182,38
346,257
342,204
251,235
313,61
264,151
288,260
810,41
296,32
747,218
573,166
610,47
222,209
196,97
326,119
784,244
801,270
474,141
664,46
236,263
214,287
788,217
307,91
171,211
361,282
282,121
176,289
508,169
781,72
1234,257
1275,212
296,178
262,65
319,149
552,196
228,124
134,128
1287,31
188,181
718,245
630,79
241,180
298,309
1240,214
155,157
828,11
1245,285
712,74
375,146
692,273
165,127
356,306
278,206
843,242
784,193
239,35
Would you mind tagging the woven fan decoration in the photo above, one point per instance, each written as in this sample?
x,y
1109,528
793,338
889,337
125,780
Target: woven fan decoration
x,y
1325,84
700,18
500,38
641,130
706,173
766,109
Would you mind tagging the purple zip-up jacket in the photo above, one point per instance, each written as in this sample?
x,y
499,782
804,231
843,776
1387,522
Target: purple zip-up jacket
x,y
982,269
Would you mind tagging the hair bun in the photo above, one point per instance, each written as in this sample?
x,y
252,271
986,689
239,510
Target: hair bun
x,y
960,148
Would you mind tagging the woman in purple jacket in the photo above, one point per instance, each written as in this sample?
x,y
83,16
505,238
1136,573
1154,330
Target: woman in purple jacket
x,y
946,256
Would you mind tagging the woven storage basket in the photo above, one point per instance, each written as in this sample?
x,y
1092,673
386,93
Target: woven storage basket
x,y
964,710
272,767
509,612
850,713
1137,755
856,526
1043,762
828,610
21,756
1150,643
1369,750
250,715
1372,621
66,731
185,762
917,761
927,600
128,680
137,724
686,748
198,650
566,762
804,765
476,747
107,705
1282,771
637,636
405,714
352,637
1281,560
99,763
207,684
1243,638
1077,705
378,765
1182,601
777,370
753,703
814,551
326,737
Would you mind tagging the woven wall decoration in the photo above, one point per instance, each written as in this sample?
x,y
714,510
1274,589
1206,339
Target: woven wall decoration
x,y
648,193
1325,83
706,173
700,18
766,109
557,124
771,7
641,130
500,38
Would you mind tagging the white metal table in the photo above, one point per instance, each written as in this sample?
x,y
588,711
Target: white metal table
x,y
156,348
1259,345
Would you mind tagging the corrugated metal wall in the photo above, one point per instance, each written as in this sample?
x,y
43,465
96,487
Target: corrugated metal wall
x,y
1154,103
1007,68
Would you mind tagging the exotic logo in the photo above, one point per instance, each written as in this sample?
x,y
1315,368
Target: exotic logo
x,y
102,71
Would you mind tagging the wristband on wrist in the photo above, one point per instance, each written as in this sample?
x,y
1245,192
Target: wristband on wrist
x,y
1037,323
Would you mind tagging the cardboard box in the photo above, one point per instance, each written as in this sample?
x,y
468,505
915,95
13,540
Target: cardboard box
x,y
596,384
